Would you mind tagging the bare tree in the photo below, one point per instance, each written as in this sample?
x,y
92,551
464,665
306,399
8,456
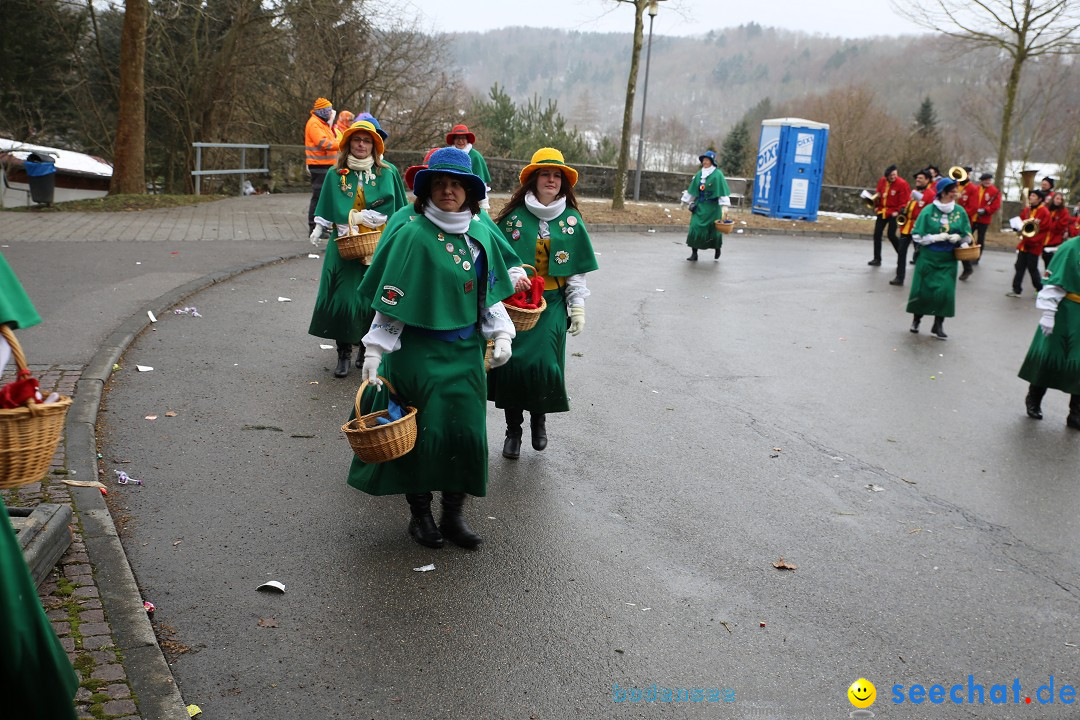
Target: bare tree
x,y
129,154
628,109
1022,30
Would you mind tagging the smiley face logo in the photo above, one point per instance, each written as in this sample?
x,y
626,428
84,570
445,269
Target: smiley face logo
x,y
862,693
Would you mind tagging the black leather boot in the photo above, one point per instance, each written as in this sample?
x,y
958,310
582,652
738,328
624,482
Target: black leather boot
x,y
539,431
512,443
915,323
939,329
1033,402
344,358
422,525
360,356
453,524
716,255
1073,420
693,255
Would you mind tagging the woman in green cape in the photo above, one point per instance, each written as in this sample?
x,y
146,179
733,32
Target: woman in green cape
x,y
360,180
543,226
435,287
708,196
37,681
940,228
1053,360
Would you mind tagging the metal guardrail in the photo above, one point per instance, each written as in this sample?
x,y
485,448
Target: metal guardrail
x,y
242,171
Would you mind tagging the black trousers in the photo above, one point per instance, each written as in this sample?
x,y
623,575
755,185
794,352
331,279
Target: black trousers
x,y
880,224
1047,257
1026,262
901,255
318,174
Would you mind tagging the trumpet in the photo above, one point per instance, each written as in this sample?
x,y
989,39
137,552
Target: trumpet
x,y
958,174
902,216
1029,228
869,199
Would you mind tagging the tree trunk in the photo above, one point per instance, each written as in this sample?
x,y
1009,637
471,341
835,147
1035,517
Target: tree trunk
x,y
129,151
628,111
1012,85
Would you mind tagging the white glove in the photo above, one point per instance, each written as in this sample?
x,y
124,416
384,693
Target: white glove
x,y
725,201
577,319
368,218
953,238
372,359
965,244
500,354
685,198
1047,323
316,235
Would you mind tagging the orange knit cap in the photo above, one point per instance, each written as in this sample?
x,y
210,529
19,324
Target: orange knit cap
x,y
321,103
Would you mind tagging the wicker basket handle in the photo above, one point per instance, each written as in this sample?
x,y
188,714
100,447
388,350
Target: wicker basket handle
x,y
16,348
360,392
527,268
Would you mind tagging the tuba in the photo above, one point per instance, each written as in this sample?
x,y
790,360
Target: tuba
x,y
958,174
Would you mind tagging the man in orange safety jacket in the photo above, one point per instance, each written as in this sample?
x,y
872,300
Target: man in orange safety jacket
x,y
320,147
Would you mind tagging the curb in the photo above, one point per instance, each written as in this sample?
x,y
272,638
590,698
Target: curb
x,y
148,672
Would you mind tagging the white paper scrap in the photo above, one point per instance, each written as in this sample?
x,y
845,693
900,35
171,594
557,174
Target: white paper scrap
x,y
875,488
284,299
314,256
425,568
144,368
150,314
272,585
325,347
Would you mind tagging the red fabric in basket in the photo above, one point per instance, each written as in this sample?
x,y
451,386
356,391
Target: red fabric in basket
x,y
528,299
16,393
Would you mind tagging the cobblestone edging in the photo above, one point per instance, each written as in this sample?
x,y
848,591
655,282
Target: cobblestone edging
x,y
70,594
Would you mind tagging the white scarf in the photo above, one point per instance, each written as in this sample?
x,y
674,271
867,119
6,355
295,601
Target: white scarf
x,y
707,171
943,207
468,147
545,212
456,223
362,166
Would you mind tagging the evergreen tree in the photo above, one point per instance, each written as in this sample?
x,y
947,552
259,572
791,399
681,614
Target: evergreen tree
x,y
735,152
926,118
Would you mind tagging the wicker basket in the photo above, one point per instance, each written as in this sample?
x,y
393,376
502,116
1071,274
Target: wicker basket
x,y
28,435
524,318
360,245
374,443
967,254
725,226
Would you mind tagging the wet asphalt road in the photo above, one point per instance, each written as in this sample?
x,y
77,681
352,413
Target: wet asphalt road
x,y
724,415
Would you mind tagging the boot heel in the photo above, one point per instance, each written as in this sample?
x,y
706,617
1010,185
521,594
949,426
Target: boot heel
x,y
453,525
539,431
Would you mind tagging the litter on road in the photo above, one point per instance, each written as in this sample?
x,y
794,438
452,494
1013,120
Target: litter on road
x,y
425,568
272,585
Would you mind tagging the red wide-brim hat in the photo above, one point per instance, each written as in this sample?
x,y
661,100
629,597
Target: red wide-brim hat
x,y
460,130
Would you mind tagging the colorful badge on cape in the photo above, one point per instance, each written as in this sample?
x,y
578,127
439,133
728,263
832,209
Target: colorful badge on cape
x,y
468,286
516,234
449,247
571,220
562,257
391,294
457,259
569,231
517,224
441,236
466,266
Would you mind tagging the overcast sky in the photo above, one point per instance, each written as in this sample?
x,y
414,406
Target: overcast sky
x,y
844,18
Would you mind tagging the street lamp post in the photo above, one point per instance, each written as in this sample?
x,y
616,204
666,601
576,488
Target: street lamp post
x,y
653,9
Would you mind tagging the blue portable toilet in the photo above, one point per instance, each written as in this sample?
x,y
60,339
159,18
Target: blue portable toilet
x,y
790,168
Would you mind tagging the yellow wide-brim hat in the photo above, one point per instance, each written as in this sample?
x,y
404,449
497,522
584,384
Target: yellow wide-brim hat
x,y
362,126
548,157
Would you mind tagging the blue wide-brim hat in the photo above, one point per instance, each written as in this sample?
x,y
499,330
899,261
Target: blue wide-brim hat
x,y
371,119
451,161
943,184
707,154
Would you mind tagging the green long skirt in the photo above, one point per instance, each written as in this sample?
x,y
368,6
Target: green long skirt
x,y
339,313
703,232
933,287
1054,361
534,379
445,382
37,681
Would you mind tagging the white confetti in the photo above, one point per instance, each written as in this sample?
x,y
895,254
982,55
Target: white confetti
x,y
144,368
150,314
284,299
313,256
425,568
325,347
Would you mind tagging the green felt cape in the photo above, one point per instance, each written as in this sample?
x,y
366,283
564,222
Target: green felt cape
x,y
1053,361
16,309
571,248
424,277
